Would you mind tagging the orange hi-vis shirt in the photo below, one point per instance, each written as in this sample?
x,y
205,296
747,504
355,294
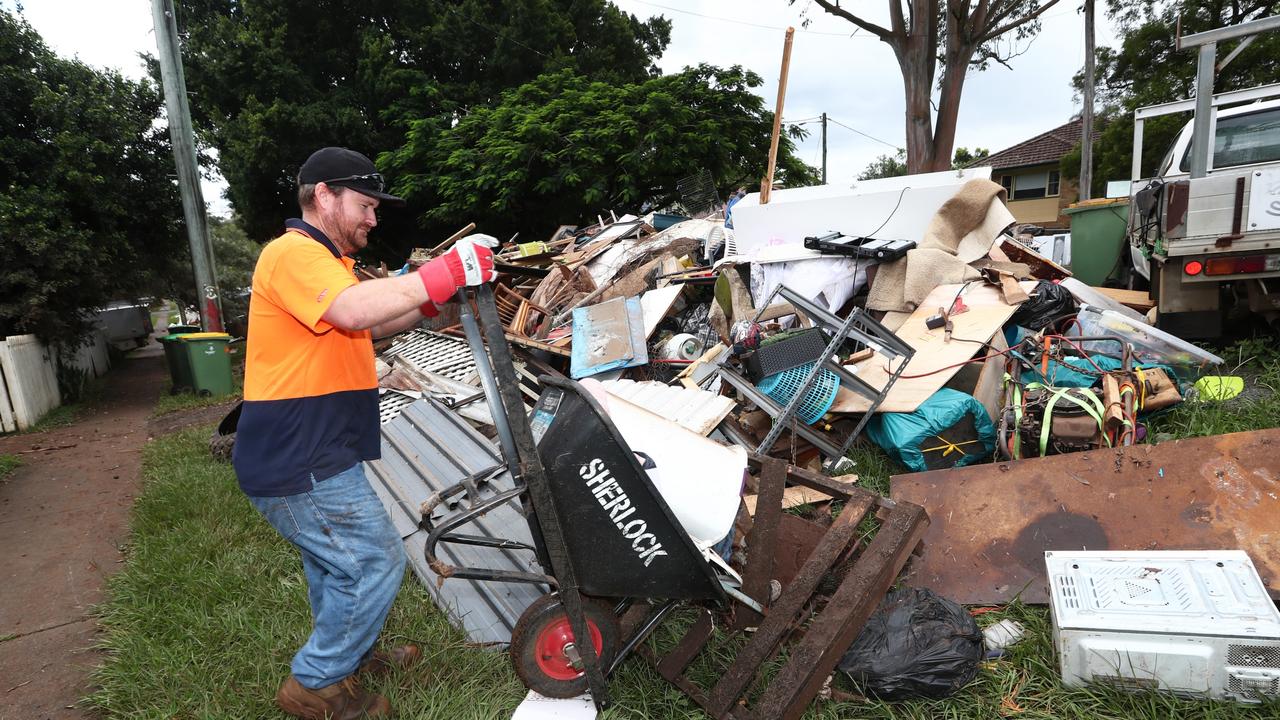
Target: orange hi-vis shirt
x,y
310,389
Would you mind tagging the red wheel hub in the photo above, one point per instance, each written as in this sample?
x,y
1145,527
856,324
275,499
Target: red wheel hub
x,y
550,649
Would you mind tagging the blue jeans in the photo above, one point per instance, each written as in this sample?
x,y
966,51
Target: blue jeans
x,y
354,563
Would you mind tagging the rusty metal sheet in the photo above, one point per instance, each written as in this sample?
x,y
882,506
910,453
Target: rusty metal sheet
x,y
992,523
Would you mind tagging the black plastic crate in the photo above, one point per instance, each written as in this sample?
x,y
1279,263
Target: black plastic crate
x,y
800,348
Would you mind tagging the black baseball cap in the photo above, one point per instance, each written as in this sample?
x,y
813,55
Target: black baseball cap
x,y
341,167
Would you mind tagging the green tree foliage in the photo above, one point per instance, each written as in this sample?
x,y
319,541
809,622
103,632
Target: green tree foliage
x,y
964,157
275,79
88,211
886,166
1147,69
567,147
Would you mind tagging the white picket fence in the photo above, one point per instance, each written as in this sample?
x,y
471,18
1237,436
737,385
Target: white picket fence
x,y
29,377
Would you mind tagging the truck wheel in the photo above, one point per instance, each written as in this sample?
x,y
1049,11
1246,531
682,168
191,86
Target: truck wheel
x,y
220,446
541,641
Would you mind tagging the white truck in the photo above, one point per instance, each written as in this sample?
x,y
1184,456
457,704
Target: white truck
x,y
1205,231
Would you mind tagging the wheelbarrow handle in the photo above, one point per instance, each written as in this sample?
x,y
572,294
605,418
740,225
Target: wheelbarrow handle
x,y
488,380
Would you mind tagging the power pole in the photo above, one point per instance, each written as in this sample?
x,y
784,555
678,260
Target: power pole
x,y
824,148
1086,117
184,155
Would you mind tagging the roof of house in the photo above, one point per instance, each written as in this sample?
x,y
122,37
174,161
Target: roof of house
x,y
1046,147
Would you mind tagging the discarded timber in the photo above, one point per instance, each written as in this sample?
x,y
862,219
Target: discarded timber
x,y
814,628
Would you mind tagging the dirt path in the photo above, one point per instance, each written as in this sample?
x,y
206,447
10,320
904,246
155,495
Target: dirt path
x,y
63,515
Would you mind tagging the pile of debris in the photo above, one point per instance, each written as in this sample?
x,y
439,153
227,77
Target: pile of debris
x,y
906,311
953,346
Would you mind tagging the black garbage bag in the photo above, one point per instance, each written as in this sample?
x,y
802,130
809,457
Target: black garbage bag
x,y
1049,302
917,644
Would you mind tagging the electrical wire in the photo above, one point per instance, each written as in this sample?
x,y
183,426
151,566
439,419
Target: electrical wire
x,y
892,212
493,32
869,137
1079,349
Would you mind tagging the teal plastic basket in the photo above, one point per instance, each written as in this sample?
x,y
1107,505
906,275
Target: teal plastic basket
x,y
781,387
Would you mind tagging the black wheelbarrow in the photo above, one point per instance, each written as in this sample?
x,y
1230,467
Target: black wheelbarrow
x,y
610,546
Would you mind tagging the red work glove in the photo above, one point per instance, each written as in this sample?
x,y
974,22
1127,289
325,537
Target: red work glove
x,y
468,263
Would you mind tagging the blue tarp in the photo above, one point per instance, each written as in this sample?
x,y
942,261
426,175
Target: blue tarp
x,y
905,436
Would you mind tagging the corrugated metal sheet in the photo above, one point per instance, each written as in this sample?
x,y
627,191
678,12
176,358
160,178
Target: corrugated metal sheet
x,y
426,449
697,410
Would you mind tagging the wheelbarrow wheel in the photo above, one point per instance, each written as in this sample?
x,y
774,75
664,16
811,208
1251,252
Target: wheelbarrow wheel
x,y
541,641
221,446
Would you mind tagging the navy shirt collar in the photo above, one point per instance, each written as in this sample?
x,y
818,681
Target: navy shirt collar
x,y
314,232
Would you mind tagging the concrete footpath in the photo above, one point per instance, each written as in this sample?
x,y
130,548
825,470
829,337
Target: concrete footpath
x,y
64,515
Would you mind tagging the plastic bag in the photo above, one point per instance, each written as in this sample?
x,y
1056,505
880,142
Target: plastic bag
x,y
917,644
1049,301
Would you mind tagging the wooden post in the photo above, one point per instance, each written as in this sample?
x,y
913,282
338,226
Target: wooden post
x,y
766,185
1086,116
452,239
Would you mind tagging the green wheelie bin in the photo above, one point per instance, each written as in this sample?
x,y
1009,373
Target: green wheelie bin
x,y
210,362
1097,238
175,355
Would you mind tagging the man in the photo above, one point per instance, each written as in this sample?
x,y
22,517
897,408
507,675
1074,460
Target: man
x,y
310,418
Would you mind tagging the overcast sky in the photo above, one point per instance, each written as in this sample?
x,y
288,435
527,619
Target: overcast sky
x,y
851,76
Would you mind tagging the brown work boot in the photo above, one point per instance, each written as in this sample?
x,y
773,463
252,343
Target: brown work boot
x,y
343,700
381,662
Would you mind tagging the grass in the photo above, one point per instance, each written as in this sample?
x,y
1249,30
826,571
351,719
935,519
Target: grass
x,y
8,463
1258,362
202,620
174,402
204,616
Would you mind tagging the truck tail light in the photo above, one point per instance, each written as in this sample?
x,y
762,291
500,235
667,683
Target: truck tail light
x,y
1193,268
1240,265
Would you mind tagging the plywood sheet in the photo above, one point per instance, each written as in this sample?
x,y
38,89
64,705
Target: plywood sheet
x,y
656,304
987,313
1139,300
991,524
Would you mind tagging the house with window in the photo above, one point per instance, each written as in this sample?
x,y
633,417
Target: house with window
x,y
1031,174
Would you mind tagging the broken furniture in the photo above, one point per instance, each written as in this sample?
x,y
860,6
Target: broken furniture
x,y
1194,623
620,562
936,359
991,524
856,333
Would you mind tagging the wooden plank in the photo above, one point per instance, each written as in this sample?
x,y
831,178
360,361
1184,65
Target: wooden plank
x,y
782,614
763,534
7,420
656,304
791,497
930,368
536,345
1139,300
831,633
